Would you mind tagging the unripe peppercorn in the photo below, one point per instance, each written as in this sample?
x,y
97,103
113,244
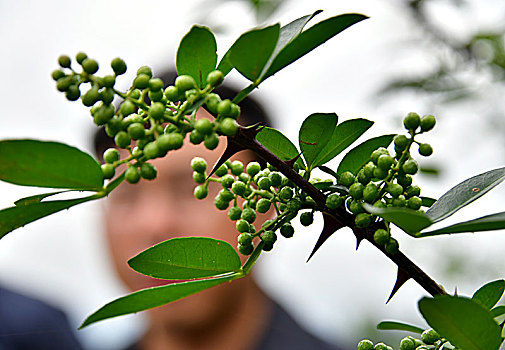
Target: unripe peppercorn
x,y
226,195
90,66
198,164
287,230
248,215
333,201
237,167
57,74
355,207
245,238
404,180
64,61
269,237
184,83
111,155
400,201
412,191
363,220
227,181
410,167
356,190
155,84
391,246
196,137
148,171
362,177
381,236
203,126
286,193
224,108
212,102
141,81
264,183
401,142
370,193
211,141
126,108
306,218
222,170
234,213
220,203
428,122
108,171
157,110
242,226
365,345
132,175
151,150
346,179
411,121
107,95
228,127
394,190
275,178
73,93
122,139
382,346
368,170
215,78
294,205
425,149
172,94
136,131
263,205
145,70
430,336
377,153
414,203
238,188
171,141
385,162
253,168
80,57
118,66
407,344
245,249
199,178
380,173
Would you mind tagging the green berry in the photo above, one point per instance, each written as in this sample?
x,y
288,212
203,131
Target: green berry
x,y
410,167
391,246
228,127
385,162
111,155
80,57
380,204
428,122
264,183
222,170
184,83
118,66
155,84
333,201
236,167
269,237
249,215
234,213
198,164
380,173
287,230
425,149
212,102
73,93
381,346
211,141
136,131
407,344
171,141
263,205
355,207
400,201
412,191
90,97
363,220
346,179
107,95
381,236
195,137
430,336
220,203
203,126
148,171
286,193
145,70
377,153
411,121
268,247
363,178
57,74
151,150
245,238
90,66
64,61
242,226
157,110
199,178
253,168
234,112
394,190
200,192
245,249
307,218
226,194
238,188
404,180
215,78
224,107
356,190
370,193
294,205
141,81
103,114
414,203
244,177
172,94
64,83
368,170
132,174
113,126
227,181
365,345
122,139
108,170
401,142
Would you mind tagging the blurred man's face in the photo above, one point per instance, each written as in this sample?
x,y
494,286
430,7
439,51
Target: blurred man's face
x,y
141,215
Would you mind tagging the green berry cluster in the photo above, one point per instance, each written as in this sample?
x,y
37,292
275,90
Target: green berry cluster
x,y
150,120
430,339
248,191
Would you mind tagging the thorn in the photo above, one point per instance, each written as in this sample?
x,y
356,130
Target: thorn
x,y
456,291
401,278
330,227
231,149
291,162
358,242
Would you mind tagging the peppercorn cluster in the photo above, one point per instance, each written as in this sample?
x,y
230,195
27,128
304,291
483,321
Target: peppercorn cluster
x,y
150,119
430,339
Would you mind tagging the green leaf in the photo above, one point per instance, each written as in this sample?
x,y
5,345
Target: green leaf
x,y
152,297
498,311
20,215
398,326
315,132
343,136
243,93
251,51
287,34
410,221
37,198
310,39
489,294
465,193
463,322
486,223
225,65
48,164
354,160
196,55
278,144
187,258
427,201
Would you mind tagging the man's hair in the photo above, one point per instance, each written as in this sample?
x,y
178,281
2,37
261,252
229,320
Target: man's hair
x,y
251,113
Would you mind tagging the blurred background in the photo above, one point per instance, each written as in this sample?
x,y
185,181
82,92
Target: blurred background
x,y
441,57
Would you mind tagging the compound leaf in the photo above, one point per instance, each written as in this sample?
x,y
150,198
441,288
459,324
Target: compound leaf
x,y
486,223
489,294
48,164
278,144
398,326
410,221
462,321
314,134
343,136
309,39
196,55
187,258
360,155
251,51
152,297
464,193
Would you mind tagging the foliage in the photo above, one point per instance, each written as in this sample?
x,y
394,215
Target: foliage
x,y
371,188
